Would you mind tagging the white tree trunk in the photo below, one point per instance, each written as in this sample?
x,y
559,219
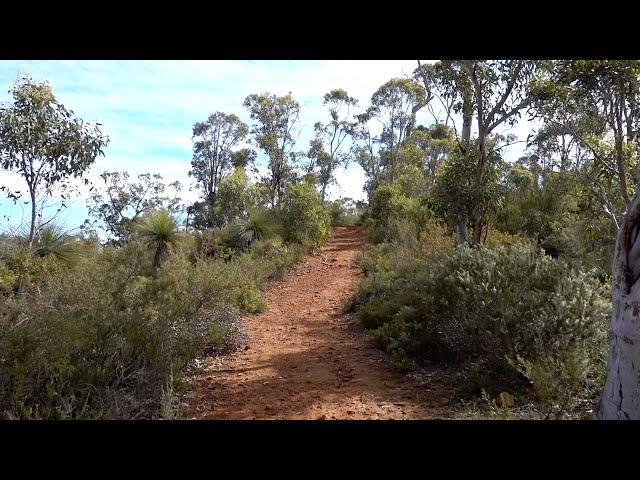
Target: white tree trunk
x,y
621,396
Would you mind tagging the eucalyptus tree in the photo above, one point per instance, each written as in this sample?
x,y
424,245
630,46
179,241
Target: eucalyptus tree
x,y
327,148
621,395
595,102
214,156
365,151
427,148
42,142
609,91
243,158
494,93
394,105
448,82
383,127
555,146
121,201
233,195
275,120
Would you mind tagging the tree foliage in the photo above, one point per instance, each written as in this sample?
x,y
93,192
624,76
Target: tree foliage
x,y
214,157
275,119
42,142
117,205
326,149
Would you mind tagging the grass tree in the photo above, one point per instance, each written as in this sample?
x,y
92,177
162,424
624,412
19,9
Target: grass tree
x,y
159,230
54,240
122,201
259,225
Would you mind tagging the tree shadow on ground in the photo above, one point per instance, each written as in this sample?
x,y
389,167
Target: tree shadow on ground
x,y
302,383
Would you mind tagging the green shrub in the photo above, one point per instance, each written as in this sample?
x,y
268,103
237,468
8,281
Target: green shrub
x,y
305,219
110,333
93,342
217,333
225,334
344,212
8,279
487,307
219,242
394,214
394,337
387,202
277,258
337,213
233,198
248,300
103,338
566,382
261,249
29,268
378,312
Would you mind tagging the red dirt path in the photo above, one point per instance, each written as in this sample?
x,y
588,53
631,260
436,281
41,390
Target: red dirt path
x,y
309,360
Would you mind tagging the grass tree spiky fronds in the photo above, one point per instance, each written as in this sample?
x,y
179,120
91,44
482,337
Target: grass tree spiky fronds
x,y
259,225
53,239
158,229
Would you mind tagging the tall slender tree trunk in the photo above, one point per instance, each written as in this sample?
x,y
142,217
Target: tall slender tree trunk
x,y
462,234
478,215
621,396
478,226
32,230
467,118
212,210
622,171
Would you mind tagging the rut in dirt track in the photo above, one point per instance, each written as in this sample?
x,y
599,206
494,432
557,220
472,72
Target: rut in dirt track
x,y
309,360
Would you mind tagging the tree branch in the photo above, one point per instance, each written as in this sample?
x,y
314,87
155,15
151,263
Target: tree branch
x,y
510,84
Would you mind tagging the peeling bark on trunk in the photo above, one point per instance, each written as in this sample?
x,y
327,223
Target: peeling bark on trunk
x,y
620,399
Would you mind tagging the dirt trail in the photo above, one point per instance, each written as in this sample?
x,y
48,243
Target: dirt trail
x,y
308,360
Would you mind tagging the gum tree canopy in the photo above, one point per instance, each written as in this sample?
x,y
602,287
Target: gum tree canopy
x,y
215,155
275,121
42,142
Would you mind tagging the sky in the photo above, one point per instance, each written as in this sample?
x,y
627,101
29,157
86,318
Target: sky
x,y
148,109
